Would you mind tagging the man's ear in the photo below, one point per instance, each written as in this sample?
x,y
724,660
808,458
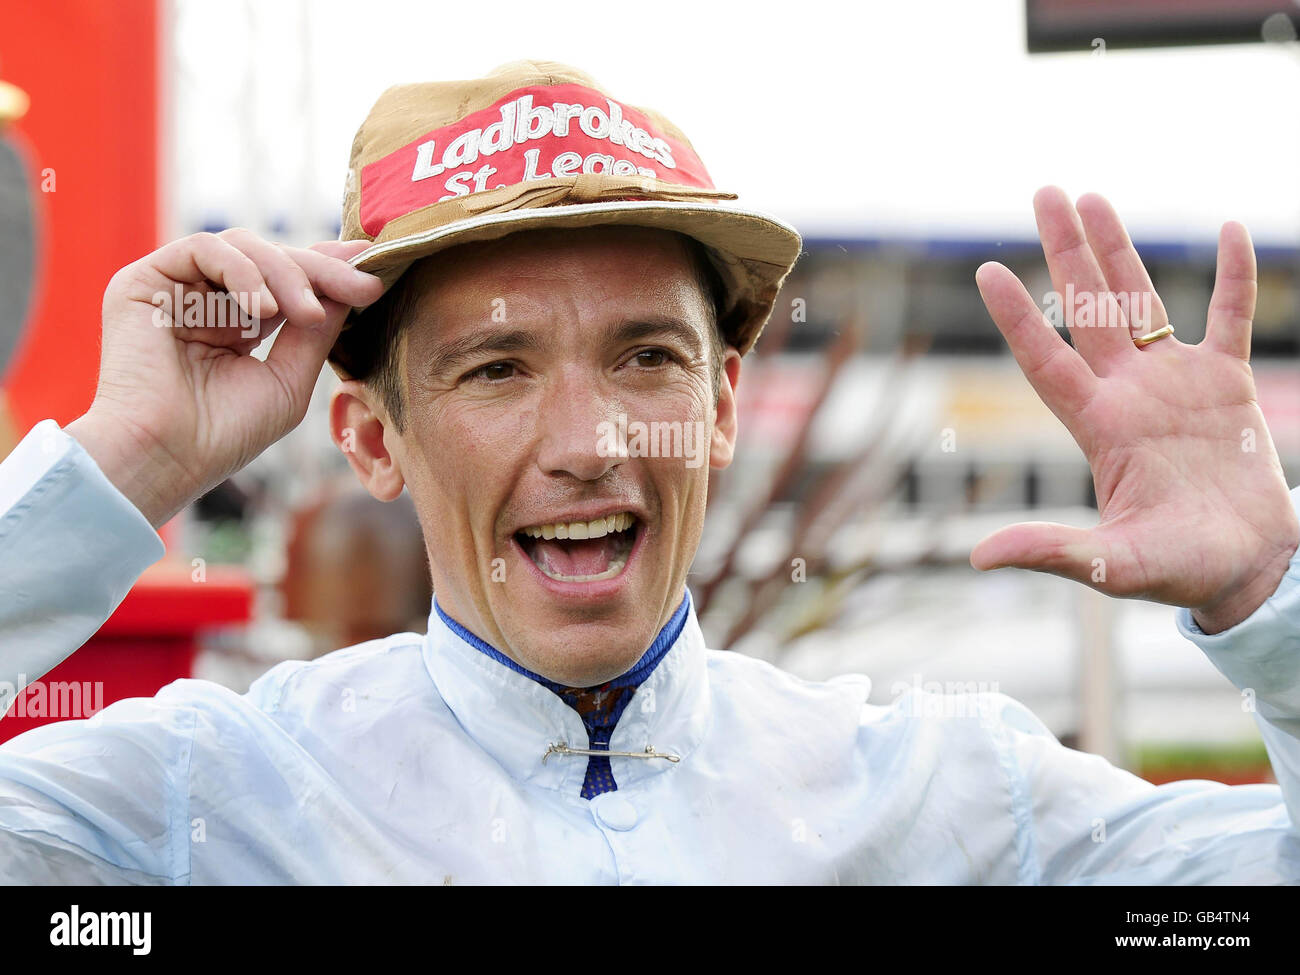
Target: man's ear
x,y
357,428
725,422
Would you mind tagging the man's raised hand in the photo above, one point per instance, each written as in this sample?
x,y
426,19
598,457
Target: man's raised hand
x,y
181,403
1194,508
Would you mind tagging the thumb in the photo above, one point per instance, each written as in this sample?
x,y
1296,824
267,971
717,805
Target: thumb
x,y
300,350
1043,547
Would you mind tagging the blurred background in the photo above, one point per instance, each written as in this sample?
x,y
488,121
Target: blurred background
x,y
885,428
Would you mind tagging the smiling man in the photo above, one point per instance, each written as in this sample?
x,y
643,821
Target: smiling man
x,y
535,261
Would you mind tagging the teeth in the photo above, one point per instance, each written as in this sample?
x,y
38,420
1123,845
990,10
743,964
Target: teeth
x,y
615,567
596,528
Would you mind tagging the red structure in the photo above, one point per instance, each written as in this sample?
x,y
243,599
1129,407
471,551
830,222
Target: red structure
x,y
91,137
91,140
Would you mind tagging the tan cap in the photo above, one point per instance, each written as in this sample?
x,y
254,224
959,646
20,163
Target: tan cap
x,y
537,144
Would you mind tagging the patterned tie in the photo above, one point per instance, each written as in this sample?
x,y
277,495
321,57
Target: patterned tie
x,y
600,708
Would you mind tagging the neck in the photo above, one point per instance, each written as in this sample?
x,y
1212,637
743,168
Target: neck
x,y
638,672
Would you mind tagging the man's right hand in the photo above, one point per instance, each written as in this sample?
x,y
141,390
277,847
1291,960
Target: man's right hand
x,y
181,403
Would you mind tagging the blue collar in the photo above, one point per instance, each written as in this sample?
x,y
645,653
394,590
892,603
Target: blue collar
x,y
632,678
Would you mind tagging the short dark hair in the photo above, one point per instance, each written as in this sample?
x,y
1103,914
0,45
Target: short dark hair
x,y
368,351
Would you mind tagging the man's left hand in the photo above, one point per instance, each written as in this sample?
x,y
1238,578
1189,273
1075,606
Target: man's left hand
x,y
1194,507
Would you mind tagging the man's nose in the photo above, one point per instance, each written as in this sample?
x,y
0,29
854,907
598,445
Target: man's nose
x,y
571,414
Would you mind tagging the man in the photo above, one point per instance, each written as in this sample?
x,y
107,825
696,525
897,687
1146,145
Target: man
x,y
562,720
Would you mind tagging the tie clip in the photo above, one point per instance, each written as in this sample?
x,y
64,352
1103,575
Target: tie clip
x,y
562,748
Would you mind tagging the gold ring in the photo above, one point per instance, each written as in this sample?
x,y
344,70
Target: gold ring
x,y
1155,336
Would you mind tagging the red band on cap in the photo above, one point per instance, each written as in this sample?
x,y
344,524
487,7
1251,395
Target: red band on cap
x,y
532,133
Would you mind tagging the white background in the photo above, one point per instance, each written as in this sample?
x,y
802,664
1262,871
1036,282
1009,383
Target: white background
x,y
873,118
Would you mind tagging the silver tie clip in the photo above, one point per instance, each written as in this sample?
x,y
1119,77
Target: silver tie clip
x,y
562,748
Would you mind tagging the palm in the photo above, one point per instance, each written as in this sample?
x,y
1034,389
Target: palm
x,y
1193,504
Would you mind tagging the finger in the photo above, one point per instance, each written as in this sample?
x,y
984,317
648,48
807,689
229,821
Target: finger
x,y
335,278
207,257
1126,275
1232,306
1098,327
288,282
211,315
299,352
1042,546
1057,372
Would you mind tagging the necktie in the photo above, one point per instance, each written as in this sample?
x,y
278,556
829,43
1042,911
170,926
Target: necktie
x,y
599,708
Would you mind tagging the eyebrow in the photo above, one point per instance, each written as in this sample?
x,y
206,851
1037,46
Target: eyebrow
x,y
446,358
474,348
632,329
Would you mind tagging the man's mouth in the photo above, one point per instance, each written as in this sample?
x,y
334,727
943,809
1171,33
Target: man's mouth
x,y
581,551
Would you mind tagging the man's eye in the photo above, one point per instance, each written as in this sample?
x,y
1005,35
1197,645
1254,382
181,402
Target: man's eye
x,y
493,372
649,358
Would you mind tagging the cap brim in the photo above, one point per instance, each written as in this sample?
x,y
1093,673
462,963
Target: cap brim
x,y
753,251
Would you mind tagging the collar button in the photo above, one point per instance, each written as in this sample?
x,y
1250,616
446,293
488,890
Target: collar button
x,y
614,811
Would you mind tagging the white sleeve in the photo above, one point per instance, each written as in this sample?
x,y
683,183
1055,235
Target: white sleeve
x,y
1261,656
71,547
1081,820
103,800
